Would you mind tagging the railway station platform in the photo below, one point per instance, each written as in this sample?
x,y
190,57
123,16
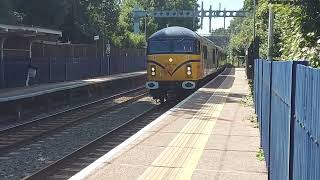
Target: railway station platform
x,y
38,90
206,136
16,101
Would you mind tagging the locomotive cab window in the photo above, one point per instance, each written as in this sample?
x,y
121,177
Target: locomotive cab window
x,y
183,46
159,47
173,46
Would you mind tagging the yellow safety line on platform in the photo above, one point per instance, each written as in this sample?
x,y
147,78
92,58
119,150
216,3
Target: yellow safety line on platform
x,y
180,158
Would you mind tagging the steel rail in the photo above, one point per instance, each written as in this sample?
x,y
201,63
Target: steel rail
x,y
16,136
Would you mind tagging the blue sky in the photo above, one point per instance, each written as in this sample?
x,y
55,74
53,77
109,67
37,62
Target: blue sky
x,y
218,22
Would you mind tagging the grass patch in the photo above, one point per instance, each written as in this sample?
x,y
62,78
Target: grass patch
x,y
250,82
247,101
253,119
260,155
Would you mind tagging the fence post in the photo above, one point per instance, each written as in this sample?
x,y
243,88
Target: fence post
x,y
260,81
66,69
108,64
2,78
2,64
50,76
270,100
101,73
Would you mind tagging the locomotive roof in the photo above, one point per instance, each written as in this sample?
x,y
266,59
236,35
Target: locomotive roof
x,y
180,32
174,32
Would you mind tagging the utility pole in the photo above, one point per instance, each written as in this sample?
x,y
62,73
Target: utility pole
x,y
254,40
202,15
270,32
224,20
254,19
103,37
145,26
210,19
194,18
104,28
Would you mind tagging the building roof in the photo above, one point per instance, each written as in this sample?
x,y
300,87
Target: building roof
x,y
27,30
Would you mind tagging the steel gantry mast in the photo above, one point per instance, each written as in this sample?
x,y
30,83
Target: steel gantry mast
x,y
196,13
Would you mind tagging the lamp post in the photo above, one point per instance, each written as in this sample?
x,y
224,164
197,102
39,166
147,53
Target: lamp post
x,y
104,28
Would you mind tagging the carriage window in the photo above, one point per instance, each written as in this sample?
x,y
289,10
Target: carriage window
x,y
159,47
183,45
198,50
205,52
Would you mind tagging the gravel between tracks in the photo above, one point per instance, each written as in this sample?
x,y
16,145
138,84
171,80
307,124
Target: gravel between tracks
x,y
30,158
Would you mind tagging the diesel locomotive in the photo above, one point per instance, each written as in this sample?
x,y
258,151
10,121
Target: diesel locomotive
x,y
178,60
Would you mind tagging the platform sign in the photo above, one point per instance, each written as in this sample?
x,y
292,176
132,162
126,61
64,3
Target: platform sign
x,y
96,38
108,49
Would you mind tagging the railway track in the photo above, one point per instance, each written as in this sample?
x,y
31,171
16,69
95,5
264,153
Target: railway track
x,y
79,159
16,136
74,162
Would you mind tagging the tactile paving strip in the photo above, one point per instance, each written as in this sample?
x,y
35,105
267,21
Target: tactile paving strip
x,y
181,157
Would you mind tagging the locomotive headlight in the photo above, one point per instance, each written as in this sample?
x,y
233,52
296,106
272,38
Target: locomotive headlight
x,y
189,70
153,70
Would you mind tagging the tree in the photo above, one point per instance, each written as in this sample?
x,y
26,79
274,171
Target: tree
x,y
6,12
170,5
219,31
297,29
80,20
45,13
125,37
174,5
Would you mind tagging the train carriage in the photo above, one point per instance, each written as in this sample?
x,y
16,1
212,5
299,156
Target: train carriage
x,y
178,60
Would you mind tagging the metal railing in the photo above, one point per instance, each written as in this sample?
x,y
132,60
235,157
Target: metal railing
x,y
67,69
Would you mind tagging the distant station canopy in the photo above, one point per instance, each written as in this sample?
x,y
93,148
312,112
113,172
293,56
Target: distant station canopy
x,y
19,39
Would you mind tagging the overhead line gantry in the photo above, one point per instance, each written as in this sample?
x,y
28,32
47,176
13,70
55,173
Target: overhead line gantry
x,y
138,14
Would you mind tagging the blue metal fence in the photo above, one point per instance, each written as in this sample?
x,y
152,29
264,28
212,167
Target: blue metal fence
x,y
307,124
65,69
280,119
287,103
265,112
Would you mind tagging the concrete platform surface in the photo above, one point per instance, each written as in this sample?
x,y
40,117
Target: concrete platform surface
x,y
37,90
207,136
